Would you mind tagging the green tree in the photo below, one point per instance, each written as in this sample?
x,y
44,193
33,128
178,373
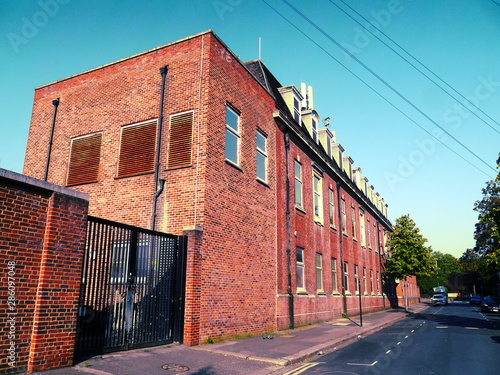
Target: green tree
x,y
408,253
446,267
487,233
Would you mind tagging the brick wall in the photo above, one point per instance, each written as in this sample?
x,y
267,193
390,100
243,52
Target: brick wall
x,y
236,274
41,248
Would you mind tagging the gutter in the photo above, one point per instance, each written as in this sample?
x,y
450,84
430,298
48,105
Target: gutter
x,y
159,184
55,103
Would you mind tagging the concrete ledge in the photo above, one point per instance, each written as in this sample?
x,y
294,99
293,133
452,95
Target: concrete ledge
x,y
43,185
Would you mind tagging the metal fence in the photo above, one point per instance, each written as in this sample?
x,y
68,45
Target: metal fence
x,y
132,288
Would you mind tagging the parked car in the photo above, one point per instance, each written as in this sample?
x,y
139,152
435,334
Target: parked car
x,y
490,305
475,300
439,299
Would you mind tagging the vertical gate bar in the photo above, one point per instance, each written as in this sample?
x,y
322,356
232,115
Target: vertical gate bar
x,y
180,282
92,286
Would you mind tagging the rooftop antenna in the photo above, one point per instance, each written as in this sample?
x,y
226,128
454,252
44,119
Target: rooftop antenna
x,y
260,47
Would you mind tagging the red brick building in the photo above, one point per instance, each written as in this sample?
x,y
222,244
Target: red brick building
x,y
185,138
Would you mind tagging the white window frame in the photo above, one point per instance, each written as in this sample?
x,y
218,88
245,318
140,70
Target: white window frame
x,y
331,207
344,216
318,198
356,279
362,234
346,276
261,153
234,133
334,276
319,272
300,265
298,184
314,127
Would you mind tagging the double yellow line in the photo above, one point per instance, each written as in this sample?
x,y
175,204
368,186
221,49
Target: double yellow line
x,y
302,368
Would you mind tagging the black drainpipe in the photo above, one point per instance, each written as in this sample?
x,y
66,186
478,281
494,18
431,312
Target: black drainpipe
x,y
55,103
341,237
159,184
291,311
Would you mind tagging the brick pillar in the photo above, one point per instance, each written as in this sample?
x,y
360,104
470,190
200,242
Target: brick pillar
x,y
56,300
193,285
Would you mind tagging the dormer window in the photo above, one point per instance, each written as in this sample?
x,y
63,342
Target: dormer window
x,y
314,128
296,109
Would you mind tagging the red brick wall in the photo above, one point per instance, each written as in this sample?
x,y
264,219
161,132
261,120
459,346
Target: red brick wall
x,y
237,214
41,248
312,306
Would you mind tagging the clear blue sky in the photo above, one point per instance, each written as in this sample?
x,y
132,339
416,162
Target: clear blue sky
x,y
459,40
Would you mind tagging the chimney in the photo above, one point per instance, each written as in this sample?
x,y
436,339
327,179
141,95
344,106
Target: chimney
x,y
310,97
303,92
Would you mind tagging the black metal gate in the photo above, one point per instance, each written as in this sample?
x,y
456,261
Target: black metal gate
x,y
132,291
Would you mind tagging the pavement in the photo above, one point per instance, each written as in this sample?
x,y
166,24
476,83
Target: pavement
x,y
260,355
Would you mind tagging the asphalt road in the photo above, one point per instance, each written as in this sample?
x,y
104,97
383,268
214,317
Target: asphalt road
x,y
455,339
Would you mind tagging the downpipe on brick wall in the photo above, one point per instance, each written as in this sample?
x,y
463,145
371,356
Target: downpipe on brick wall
x,y
159,184
55,103
291,309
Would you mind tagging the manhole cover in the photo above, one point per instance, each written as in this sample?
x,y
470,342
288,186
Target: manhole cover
x,y
175,367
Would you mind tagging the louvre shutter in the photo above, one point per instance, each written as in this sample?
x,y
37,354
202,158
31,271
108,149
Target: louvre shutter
x,y
181,138
84,159
137,150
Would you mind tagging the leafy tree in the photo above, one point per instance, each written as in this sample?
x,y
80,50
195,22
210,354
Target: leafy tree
x,y
487,232
409,255
446,267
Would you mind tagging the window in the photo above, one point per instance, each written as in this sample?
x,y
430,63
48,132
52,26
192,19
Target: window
x,y
353,222
365,290
378,283
300,269
318,206
346,276
314,126
362,228
371,282
319,272
298,184
84,159
342,209
232,135
356,278
331,207
261,156
180,142
137,149
296,110
334,275
368,234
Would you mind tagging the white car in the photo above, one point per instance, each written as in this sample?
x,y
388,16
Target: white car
x,y
439,299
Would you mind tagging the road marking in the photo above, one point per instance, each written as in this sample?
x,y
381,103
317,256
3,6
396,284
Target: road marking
x,y
406,337
301,369
363,364
471,328
399,343
412,330
442,327
387,352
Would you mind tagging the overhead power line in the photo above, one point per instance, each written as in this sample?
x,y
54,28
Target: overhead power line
x,y
418,61
390,87
373,89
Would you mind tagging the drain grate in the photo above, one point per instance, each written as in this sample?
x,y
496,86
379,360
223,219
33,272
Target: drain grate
x,y
174,367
